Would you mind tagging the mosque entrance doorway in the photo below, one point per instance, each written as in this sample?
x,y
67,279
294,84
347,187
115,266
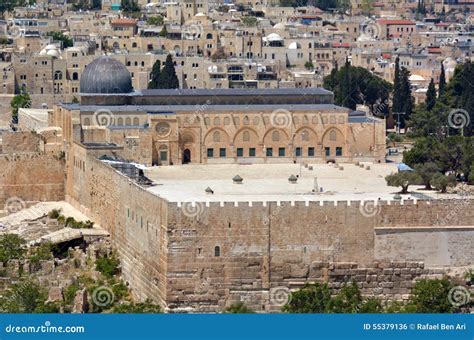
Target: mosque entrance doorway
x,y
186,156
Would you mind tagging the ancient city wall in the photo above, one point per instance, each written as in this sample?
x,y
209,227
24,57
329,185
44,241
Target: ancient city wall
x,y
134,218
31,177
203,257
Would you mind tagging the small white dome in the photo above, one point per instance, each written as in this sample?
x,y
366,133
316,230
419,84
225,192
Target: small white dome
x,y
279,26
415,77
274,37
294,46
53,53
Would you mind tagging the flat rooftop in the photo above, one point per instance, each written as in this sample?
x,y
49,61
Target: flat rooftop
x,y
269,182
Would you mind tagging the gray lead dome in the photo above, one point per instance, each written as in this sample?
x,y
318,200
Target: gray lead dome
x,y
106,75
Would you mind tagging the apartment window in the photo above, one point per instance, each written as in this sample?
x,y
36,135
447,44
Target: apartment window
x,y
252,152
338,151
310,152
298,152
217,251
240,152
327,150
281,152
210,153
222,152
269,152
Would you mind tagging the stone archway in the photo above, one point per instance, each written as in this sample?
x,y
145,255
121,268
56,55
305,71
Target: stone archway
x,y
186,156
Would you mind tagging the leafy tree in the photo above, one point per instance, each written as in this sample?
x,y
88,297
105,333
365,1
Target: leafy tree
x,y
471,175
309,65
397,95
130,6
21,100
12,247
424,123
26,297
313,298
348,300
405,88
163,32
239,308
249,21
147,307
431,296
58,36
393,139
426,172
402,179
167,78
108,266
75,100
155,75
430,96
356,85
367,6
155,21
371,305
42,252
442,182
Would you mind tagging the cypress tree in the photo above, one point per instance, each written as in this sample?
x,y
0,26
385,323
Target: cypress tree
x,y
167,78
430,96
405,89
397,95
155,75
442,81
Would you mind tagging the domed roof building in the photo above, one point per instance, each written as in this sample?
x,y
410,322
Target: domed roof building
x,y
106,75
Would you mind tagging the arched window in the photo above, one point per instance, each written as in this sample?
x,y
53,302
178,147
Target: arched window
x,y
305,119
256,120
128,121
87,121
75,76
246,120
120,121
216,137
207,121
246,136
209,36
332,135
134,45
226,121
341,120
315,119
332,120
275,136
217,121
136,121
217,251
58,75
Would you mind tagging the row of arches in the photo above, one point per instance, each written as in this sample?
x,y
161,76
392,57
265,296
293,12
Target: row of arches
x,y
257,119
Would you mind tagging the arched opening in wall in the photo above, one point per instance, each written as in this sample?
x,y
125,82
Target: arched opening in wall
x,y
186,156
217,251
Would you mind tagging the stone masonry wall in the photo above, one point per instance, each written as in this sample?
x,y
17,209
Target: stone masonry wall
x,y
204,257
31,178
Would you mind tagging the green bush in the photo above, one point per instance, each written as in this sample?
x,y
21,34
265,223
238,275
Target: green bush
x,y
430,296
239,308
26,297
138,308
108,266
54,214
11,247
42,252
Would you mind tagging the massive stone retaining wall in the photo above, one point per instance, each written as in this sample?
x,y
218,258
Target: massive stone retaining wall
x,y
203,257
31,177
